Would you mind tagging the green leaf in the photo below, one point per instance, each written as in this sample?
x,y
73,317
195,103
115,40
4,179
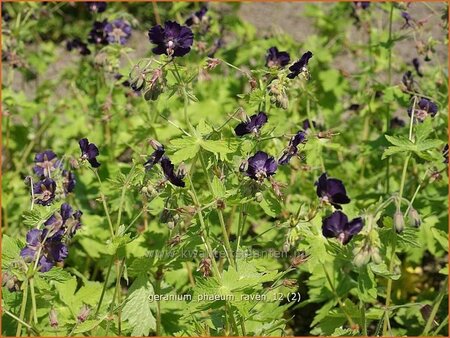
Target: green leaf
x,y
270,205
217,147
218,187
186,148
10,249
86,326
137,310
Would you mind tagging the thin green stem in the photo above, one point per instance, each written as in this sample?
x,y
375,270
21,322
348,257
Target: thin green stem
x,y
341,304
22,308
220,213
105,206
435,309
102,295
28,326
158,307
33,301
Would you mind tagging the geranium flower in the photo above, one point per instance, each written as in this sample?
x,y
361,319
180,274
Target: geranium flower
x,y
332,190
196,17
424,108
416,64
44,191
77,44
261,166
66,221
337,225
176,178
300,66
118,31
53,250
408,81
292,149
277,59
45,163
89,152
253,124
68,181
156,156
172,39
96,6
97,35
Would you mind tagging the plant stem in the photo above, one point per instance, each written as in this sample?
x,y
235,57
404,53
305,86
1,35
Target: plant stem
x,y
158,307
341,305
28,326
220,213
33,301
436,305
102,295
22,308
105,206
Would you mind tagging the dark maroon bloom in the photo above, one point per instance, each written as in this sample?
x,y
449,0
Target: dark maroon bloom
x,y
445,153
332,190
424,108
407,17
277,59
361,4
397,122
172,39
156,156
408,81
68,181
197,17
96,6
118,31
300,66
45,163
53,250
292,149
416,64
89,151
98,35
44,191
66,221
253,124
261,166
337,225
77,44
176,178
307,125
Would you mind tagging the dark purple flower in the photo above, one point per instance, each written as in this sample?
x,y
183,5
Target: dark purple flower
x,y
332,190
118,31
196,17
45,163
66,221
416,64
337,225
172,39
176,178
307,125
292,149
407,17
445,153
253,124
408,81
52,249
277,59
156,156
397,122
361,4
96,6
89,151
424,108
300,66
77,44
44,191
261,166
98,35
68,181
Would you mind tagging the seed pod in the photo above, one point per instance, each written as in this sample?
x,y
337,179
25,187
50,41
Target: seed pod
x,y
399,222
414,218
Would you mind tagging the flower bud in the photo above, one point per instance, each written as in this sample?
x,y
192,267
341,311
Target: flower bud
x,y
290,283
83,314
361,258
376,258
53,318
258,197
414,218
399,222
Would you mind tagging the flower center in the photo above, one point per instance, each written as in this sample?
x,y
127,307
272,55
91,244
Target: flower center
x,y
118,33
